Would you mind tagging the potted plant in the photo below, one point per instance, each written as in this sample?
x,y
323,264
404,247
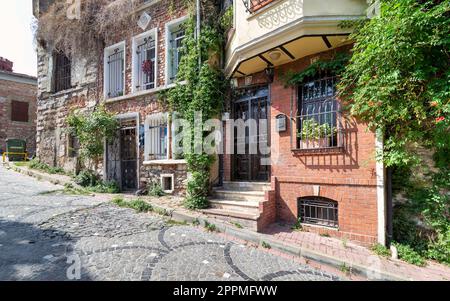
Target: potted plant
x,y
315,135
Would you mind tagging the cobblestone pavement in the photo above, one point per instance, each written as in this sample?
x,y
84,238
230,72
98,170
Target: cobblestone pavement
x,y
51,236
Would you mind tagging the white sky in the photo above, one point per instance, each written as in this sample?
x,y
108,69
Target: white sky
x,y
16,36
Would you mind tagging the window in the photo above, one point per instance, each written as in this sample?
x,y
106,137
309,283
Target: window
x,y
72,146
156,137
114,75
318,211
62,72
175,36
19,111
144,61
318,114
167,183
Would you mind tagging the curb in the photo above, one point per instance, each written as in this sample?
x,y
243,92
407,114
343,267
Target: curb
x,y
245,235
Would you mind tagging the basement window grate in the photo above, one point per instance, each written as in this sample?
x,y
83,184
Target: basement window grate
x,y
318,211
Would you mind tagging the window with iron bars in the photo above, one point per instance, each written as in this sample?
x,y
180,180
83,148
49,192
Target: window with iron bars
x,y
254,5
176,43
316,123
156,137
62,72
145,59
114,71
318,211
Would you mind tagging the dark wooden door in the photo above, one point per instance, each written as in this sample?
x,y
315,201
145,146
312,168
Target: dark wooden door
x,y
128,157
253,104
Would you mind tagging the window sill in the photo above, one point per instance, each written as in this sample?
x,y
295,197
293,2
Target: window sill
x,y
165,162
141,93
319,151
320,227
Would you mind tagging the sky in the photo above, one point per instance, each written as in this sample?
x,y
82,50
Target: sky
x,y
16,35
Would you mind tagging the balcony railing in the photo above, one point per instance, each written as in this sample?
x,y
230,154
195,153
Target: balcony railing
x,y
254,5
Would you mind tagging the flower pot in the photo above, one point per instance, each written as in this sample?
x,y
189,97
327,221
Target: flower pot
x,y
315,143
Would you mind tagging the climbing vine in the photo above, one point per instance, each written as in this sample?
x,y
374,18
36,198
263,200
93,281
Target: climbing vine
x,y
199,88
398,81
335,65
91,129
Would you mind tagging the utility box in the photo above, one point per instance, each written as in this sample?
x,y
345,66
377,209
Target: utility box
x,y
16,149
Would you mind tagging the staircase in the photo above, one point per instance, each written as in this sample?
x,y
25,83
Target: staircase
x,y
238,203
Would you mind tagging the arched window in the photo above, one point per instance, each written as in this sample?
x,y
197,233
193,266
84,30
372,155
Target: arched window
x,y
318,211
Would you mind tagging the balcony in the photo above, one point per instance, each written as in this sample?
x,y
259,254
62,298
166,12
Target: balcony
x,y
276,32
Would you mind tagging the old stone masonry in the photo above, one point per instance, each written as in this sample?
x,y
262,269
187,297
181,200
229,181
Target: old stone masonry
x,y
46,235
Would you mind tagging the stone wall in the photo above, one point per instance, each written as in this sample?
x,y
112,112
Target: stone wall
x,y
87,91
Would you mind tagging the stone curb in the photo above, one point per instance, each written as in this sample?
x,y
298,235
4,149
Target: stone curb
x,y
243,234
39,175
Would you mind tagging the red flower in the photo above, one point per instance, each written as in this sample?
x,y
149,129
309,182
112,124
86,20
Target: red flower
x,y
440,119
147,67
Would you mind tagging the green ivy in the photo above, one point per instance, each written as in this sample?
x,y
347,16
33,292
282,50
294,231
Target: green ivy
x,y
398,77
199,88
335,65
91,130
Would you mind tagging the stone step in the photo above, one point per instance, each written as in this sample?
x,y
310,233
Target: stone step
x,y
235,195
250,207
246,220
246,186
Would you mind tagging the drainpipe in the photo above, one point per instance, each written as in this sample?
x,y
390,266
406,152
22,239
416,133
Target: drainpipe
x,y
389,206
381,190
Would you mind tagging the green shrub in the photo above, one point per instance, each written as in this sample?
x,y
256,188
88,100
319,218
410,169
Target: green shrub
x,y
87,178
155,190
105,187
381,250
138,204
210,227
35,164
439,248
297,226
407,254
194,203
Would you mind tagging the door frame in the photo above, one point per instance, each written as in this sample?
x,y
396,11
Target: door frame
x,y
119,117
269,138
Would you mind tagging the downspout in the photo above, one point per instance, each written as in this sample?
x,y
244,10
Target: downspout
x,y
381,190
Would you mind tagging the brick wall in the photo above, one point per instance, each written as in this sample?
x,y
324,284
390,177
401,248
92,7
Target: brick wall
x,y
17,91
348,176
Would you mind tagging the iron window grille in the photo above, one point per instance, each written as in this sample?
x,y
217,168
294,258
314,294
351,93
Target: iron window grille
x,y
62,73
253,5
115,62
176,44
316,118
157,138
146,54
319,211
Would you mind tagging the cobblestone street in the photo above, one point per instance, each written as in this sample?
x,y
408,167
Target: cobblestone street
x,y
46,235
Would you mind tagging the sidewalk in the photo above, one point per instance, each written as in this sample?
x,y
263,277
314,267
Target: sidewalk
x,y
297,244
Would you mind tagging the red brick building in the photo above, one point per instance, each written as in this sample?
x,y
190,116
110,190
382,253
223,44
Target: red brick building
x,y
17,107
322,172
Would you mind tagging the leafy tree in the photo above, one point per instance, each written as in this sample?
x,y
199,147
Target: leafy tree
x,y
398,77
